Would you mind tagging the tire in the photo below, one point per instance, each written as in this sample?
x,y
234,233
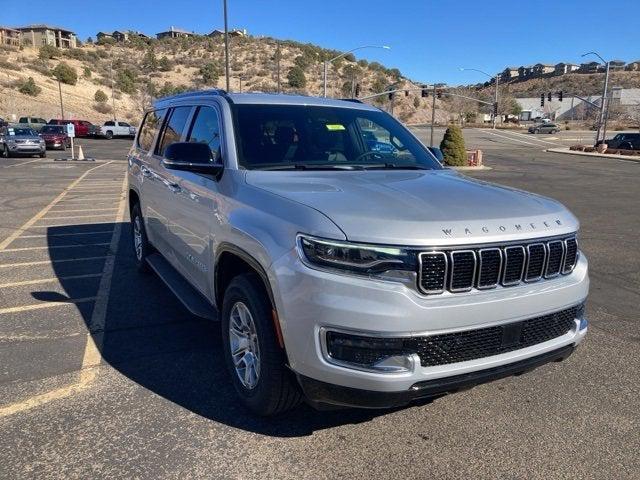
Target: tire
x,y
272,389
141,246
43,155
108,135
5,152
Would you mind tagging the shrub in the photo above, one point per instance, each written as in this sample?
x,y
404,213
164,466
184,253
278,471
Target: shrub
x,y
4,65
30,88
416,102
452,147
296,77
102,108
100,96
210,72
165,65
86,72
48,52
65,74
126,81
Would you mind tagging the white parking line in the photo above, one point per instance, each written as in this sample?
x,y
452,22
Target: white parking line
x,y
48,280
530,137
47,247
37,306
45,235
47,262
24,163
511,138
80,216
83,210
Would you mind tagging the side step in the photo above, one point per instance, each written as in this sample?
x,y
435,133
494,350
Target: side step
x,y
189,296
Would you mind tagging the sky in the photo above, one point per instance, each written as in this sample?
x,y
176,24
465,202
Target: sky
x,y
430,40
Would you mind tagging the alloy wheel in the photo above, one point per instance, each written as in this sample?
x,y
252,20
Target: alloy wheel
x,y
245,349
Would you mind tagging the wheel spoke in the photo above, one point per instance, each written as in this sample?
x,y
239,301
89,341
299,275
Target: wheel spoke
x,y
244,346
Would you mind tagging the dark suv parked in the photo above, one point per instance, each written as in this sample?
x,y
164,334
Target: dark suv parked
x,y
623,141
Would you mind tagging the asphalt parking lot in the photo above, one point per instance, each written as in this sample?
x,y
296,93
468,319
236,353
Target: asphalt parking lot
x,y
103,374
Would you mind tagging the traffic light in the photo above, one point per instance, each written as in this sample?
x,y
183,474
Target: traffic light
x,y
439,93
560,96
357,90
424,93
549,96
542,99
495,109
390,95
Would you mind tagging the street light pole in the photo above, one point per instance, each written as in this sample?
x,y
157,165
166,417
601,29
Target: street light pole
x,y
61,106
226,44
327,62
604,92
278,64
496,93
433,113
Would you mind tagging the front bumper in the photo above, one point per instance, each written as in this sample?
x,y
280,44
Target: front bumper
x,y
310,302
22,149
319,394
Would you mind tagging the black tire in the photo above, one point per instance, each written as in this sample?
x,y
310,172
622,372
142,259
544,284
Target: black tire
x,y
5,152
276,391
108,135
137,226
43,155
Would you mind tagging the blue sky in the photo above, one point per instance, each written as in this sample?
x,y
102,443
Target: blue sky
x,y
430,40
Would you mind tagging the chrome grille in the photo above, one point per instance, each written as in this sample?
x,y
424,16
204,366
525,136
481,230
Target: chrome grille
x,y
460,270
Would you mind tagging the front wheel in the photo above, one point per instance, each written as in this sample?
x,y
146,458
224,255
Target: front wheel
x,y
108,135
5,152
254,359
43,155
141,246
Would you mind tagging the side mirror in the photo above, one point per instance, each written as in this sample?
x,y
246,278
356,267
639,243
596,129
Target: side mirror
x,y
191,157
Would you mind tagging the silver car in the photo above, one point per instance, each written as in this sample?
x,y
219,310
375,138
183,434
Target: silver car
x,y
21,141
544,128
344,273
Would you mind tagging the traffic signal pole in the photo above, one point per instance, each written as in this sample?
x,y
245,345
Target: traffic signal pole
x,y
433,114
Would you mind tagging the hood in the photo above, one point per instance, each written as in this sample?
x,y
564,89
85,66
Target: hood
x,y
420,207
34,138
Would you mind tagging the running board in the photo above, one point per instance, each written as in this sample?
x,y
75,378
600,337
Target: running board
x,y
188,296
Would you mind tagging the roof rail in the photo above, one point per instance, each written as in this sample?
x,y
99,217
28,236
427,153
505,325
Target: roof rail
x,y
193,93
354,100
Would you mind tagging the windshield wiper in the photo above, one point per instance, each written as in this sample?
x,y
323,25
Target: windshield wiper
x,y
393,166
302,166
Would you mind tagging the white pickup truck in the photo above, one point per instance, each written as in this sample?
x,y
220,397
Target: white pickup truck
x,y
113,128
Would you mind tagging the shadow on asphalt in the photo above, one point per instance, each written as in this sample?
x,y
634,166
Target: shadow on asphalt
x,y
154,341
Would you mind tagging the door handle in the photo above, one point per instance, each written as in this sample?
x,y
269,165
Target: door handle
x,y
145,171
174,187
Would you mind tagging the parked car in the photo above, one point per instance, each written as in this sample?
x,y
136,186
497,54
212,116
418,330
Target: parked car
x,y
623,141
19,141
83,128
3,122
34,123
113,129
55,137
544,128
350,276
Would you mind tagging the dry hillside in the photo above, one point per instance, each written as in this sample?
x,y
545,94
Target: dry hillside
x,y
143,70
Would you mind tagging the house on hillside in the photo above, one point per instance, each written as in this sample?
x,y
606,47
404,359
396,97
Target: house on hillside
x,y
524,72
509,73
38,35
175,33
9,36
633,66
102,36
543,69
120,36
616,65
591,67
232,33
564,68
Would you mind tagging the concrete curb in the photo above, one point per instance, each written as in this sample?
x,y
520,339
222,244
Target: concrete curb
x,y
593,154
471,169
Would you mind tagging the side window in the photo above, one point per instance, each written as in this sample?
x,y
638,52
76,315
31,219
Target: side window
x,y
124,124
41,120
150,126
206,129
173,128
109,124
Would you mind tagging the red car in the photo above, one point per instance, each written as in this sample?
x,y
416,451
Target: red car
x,y
55,137
83,128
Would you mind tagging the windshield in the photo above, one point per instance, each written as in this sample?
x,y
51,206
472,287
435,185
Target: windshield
x,y
302,136
52,129
22,131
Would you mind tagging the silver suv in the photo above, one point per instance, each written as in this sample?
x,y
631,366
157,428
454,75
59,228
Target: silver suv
x,y
343,262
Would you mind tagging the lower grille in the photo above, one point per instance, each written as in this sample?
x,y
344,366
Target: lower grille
x,y
485,342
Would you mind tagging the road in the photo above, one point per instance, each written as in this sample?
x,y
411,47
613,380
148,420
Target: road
x,y
103,374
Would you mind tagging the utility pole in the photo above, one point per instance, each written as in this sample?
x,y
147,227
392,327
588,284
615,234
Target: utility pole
x,y
61,106
496,93
606,115
226,44
278,64
433,113
113,99
604,93
495,114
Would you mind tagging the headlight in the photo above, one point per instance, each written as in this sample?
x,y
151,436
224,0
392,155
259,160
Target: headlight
x,y
390,263
11,142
